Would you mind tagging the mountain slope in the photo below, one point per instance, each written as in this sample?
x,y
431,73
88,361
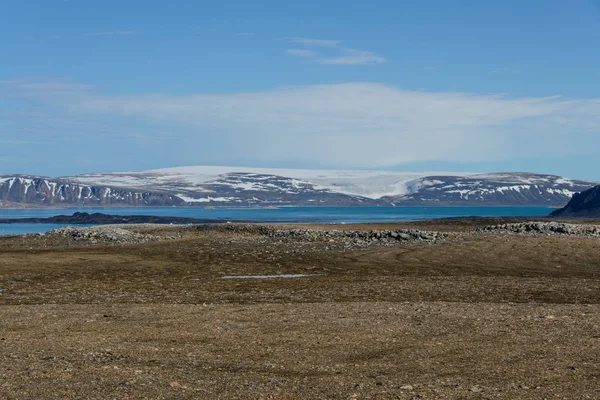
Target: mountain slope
x,y
492,189
243,187
584,204
51,192
369,184
231,185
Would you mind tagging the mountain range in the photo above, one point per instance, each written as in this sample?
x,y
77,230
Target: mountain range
x,y
260,187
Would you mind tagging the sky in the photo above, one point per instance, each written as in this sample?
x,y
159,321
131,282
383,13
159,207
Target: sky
x,y
422,85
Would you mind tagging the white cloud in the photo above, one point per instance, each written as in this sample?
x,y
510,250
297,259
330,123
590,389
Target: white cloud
x,y
338,54
342,125
315,42
300,53
354,57
111,33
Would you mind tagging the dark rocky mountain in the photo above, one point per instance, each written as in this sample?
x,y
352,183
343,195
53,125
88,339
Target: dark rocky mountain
x,y
52,192
585,204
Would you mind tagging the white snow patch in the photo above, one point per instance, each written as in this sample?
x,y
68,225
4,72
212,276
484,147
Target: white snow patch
x,y
208,199
517,188
564,181
283,276
565,192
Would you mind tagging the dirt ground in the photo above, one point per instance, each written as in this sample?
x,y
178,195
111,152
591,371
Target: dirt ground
x,y
480,316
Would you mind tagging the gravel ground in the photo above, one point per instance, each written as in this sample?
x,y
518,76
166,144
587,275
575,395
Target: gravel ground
x,y
452,311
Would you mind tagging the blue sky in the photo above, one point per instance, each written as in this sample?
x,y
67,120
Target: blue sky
x,y
89,86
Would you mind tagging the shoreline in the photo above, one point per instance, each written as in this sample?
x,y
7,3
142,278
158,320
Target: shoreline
x,y
273,207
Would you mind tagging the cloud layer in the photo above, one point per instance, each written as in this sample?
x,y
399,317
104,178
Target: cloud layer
x,y
341,125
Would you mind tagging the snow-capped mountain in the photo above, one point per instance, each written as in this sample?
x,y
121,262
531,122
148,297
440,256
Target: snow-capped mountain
x,y
369,184
493,189
233,186
20,189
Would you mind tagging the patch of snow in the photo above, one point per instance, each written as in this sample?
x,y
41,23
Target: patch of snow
x,y
208,199
517,188
283,276
565,192
563,181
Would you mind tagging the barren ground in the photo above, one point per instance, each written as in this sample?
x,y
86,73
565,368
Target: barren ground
x,y
480,316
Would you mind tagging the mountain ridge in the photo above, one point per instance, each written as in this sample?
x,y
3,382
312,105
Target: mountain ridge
x,y
585,204
259,187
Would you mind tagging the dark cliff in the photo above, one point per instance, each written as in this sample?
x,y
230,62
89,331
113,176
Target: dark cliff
x,y
584,204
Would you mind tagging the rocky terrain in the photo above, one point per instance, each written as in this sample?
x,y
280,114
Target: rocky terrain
x,y
104,234
253,187
585,204
335,239
423,310
546,228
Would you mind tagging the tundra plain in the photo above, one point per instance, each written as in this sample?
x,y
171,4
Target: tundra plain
x,y
470,314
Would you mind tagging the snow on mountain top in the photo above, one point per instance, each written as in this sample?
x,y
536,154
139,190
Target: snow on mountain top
x,y
367,183
526,178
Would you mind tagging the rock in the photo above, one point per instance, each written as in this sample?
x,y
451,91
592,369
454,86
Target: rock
x,y
546,228
405,236
103,234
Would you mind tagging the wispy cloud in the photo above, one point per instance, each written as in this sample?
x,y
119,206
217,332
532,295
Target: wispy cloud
x,y
315,42
353,57
300,53
112,33
344,125
246,34
333,53
44,85
53,37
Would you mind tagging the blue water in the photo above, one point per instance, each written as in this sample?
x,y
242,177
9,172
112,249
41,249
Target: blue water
x,y
325,215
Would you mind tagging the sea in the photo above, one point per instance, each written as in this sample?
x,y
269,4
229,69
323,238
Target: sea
x,y
314,215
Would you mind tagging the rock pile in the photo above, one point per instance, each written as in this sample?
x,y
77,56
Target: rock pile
x,y
103,234
546,228
360,238
357,237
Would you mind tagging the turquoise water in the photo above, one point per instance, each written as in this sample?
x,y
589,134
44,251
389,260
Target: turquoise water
x,y
323,215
